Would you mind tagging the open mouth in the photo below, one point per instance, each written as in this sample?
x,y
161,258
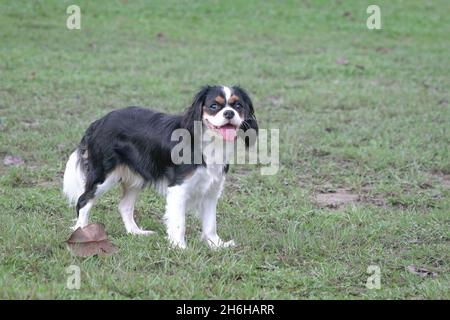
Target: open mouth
x,y
228,130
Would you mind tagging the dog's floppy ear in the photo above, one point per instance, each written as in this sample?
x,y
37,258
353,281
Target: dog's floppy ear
x,y
194,112
250,118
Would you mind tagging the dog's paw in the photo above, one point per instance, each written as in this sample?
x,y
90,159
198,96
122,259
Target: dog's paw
x,y
177,244
75,227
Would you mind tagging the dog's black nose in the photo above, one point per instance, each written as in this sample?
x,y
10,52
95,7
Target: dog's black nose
x,y
229,114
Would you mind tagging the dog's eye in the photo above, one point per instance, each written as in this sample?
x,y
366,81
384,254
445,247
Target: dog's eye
x,y
238,106
213,106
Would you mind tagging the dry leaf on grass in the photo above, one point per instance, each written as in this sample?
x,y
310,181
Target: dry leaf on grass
x,y
443,102
347,14
342,61
423,272
90,240
11,160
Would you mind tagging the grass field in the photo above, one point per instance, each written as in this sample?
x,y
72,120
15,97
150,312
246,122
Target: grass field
x,y
365,111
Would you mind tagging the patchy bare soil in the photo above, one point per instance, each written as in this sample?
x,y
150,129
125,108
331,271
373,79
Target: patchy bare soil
x,y
337,198
446,181
443,178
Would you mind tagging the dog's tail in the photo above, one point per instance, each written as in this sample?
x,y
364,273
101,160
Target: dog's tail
x,y
77,167
74,177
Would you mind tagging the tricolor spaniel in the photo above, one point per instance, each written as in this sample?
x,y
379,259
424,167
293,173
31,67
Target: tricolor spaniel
x,y
134,147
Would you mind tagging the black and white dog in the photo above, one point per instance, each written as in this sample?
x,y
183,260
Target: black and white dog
x,y
133,147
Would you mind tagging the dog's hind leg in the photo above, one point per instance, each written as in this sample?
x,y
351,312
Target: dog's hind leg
x,y
87,200
83,215
126,209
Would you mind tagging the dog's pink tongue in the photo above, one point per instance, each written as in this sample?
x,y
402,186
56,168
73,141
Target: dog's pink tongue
x,y
228,132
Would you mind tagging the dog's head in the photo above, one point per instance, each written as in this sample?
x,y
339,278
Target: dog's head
x,y
223,110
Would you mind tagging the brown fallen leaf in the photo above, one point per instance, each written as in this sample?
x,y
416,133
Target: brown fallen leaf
x,y
90,240
383,49
32,75
423,272
342,61
11,160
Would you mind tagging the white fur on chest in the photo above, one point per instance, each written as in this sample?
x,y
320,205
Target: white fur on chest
x,y
198,193
205,183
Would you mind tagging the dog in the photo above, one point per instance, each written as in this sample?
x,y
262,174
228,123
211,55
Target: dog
x,y
134,147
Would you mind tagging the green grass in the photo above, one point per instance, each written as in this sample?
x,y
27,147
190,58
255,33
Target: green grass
x,y
378,126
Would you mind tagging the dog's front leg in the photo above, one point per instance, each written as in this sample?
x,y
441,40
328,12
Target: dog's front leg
x,y
175,217
209,225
